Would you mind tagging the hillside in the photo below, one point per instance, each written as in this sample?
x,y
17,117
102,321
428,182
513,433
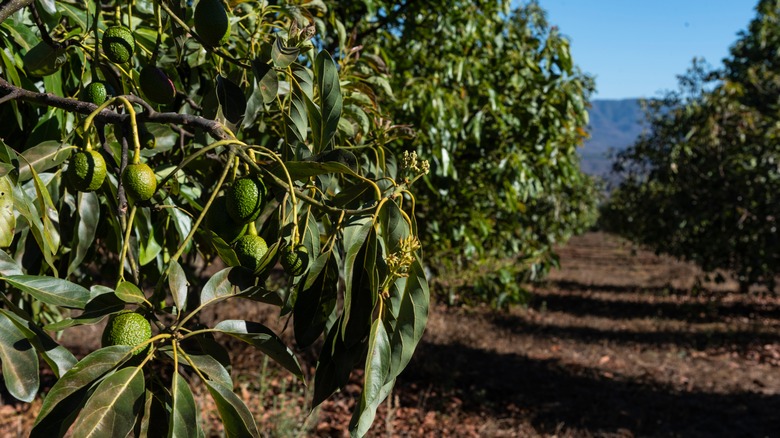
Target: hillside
x,y
614,125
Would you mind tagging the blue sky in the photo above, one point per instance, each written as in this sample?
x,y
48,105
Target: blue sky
x,y
635,48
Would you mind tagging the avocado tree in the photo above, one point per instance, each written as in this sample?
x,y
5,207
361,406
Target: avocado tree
x,y
499,106
141,137
701,184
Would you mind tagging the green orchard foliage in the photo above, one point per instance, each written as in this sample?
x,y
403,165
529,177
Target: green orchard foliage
x,y
265,105
156,85
702,183
500,108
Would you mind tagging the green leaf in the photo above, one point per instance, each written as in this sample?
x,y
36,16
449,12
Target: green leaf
x,y
184,413
264,339
8,265
217,288
411,318
42,157
51,235
316,300
296,122
7,217
58,357
376,371
267,81
360,247
43,60
112,408
325,126
20,361
231,99
129,293
394,226
177,282
96,309
62,398
283,56
89,216
236,417
51,290
207,365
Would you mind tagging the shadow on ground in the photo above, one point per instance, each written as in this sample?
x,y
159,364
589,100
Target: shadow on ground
x,y
582,398
682,307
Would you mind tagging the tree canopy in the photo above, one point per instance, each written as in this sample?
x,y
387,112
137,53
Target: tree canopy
x,y
702,183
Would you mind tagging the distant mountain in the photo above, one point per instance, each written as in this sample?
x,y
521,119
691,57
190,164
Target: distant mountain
x,y
614,125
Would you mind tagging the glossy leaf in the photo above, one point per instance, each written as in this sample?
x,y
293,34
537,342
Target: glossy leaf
x,y
50,290
283,56
236,418
64,397
178,284
112,408
217,288
7,217
89,216
231,99
8,266
265,340
19,360
184,412
129,293
325,126
58,357
316,300
375,375
42,157
411,318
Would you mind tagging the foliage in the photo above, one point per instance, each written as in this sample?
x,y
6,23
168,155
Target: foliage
x,y
701,184
500,107
272,104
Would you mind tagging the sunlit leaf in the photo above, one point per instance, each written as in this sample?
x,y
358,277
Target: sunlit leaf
x,y
376,370
184,412
50,290
112,408
177,282
19,360
265,340
89,216
236,418
7,217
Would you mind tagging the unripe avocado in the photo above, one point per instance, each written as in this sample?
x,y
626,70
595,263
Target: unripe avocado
x,y
86,170
127,328
295,259
211,22
118,44
250,249
245,199
156,85
95,92
139,181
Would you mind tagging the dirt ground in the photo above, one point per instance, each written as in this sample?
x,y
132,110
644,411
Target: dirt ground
x,y
614,345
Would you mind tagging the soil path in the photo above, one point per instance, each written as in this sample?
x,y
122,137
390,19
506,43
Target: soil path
x,y
613,346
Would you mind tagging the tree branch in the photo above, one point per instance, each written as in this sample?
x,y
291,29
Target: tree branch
x,y
11,92
9,7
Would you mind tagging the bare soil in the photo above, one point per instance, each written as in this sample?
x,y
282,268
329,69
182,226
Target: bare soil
x,y
618,343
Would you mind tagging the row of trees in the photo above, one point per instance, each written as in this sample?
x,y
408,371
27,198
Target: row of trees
x,y
702,183
143,137
499,108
